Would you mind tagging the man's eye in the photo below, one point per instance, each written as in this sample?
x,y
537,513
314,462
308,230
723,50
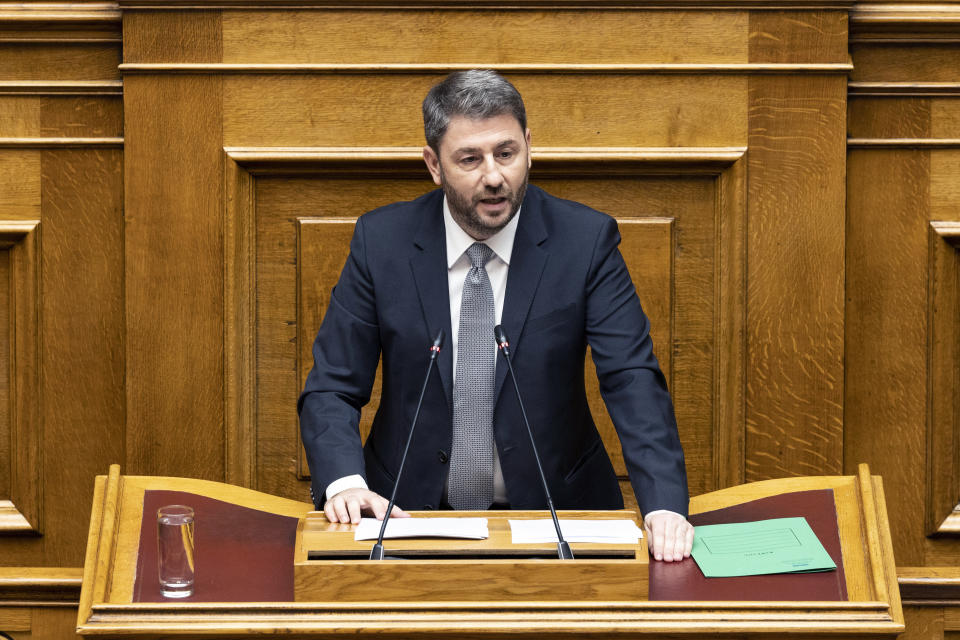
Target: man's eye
x,y
506,154
468,159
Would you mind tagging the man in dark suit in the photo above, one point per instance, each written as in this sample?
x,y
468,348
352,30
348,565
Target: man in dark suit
x,y
487,249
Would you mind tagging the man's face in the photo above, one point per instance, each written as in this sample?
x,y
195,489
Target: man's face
x,y
482,166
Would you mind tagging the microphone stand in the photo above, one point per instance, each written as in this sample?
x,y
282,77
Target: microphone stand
x,y
376,553
563,549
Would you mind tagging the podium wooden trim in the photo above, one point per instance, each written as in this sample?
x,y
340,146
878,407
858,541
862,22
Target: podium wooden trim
x,y
873,609
489,570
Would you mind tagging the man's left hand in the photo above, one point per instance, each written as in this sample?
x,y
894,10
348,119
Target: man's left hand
x,y
669,536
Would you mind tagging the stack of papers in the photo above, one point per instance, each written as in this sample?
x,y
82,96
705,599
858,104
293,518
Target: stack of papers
x,y
603,531
465,528
782,545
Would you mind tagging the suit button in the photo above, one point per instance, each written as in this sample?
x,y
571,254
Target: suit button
x,y
442,456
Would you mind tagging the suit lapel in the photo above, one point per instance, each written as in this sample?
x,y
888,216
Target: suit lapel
x,y
429,266
526,266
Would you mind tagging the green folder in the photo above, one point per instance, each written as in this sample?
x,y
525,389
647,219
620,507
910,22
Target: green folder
x,y
782,545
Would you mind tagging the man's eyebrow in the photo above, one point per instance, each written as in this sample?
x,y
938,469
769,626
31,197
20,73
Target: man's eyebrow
x,y
503,143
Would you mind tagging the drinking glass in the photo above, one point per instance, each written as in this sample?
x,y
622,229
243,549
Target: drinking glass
x,y
175,552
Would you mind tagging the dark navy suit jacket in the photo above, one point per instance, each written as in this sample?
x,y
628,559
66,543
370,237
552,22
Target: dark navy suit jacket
x,y
567,287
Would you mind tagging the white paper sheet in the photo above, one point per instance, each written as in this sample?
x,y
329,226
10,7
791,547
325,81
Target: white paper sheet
x,y
604,531
466,528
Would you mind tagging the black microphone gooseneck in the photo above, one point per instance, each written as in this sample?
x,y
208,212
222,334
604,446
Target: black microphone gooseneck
x,y
377,552
563,549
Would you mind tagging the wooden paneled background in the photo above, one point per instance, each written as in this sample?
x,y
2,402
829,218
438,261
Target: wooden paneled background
x,y
179,181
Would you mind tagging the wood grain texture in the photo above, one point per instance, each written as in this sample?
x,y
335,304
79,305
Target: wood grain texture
x,y
95,61
582,110
903,63
25,471
172,37
6,413
625,36
909,117
499,571
105,607
945,117
83,342
798,37
19,184
886,332
20,116
923,623
944,186
174,277
794,278
239,383
491,6
34,115
943,384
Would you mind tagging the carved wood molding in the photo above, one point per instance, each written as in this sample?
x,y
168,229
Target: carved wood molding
x,y
20,512
507,68
903,143
932,586
59,143
242,165
943,379
62,88
64,23
40,586
875,22
494,5
903,89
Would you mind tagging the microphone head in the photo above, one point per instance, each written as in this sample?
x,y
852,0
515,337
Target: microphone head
x,y
500,335
438,341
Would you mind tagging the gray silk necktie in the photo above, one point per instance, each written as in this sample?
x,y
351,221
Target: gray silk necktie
x,y
470,484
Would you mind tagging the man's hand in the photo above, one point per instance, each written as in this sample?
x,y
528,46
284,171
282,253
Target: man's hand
x,y
348,505
669,536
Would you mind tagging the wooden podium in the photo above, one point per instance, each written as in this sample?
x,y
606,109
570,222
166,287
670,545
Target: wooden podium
x,y
245,576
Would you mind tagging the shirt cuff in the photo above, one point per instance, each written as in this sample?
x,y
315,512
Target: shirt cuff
x,y
344,483
648,514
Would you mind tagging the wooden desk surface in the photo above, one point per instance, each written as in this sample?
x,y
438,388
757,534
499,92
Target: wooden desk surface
x,y
107,607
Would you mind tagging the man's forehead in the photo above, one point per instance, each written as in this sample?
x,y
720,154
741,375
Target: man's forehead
x,y
466,132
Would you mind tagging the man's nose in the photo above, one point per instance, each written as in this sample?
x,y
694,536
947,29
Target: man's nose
x,y
492,178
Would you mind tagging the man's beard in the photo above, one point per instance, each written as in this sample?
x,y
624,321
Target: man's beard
x,y
464,211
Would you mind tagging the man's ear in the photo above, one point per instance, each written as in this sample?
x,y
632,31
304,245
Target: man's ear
x,y
433,164
529,153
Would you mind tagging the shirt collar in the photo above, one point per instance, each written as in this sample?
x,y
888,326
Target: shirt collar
x,y
458,240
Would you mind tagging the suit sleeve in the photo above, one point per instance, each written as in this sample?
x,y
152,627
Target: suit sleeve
x,y
632,385
345,356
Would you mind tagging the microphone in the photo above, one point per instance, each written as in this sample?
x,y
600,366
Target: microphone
x,y
376,553
563,549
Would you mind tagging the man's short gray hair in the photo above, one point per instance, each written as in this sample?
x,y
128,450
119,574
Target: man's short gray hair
x,y
475,94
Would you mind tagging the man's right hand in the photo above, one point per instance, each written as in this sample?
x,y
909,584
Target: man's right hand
x,y
350,504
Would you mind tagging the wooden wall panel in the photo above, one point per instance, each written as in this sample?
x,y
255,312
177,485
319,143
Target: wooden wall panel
x,y
886,315
582,110
617,37
21,508
60,175
298,260
39,62
795,285
901,351
174,278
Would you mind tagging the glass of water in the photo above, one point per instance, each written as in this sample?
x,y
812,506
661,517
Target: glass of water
x,y
175,551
